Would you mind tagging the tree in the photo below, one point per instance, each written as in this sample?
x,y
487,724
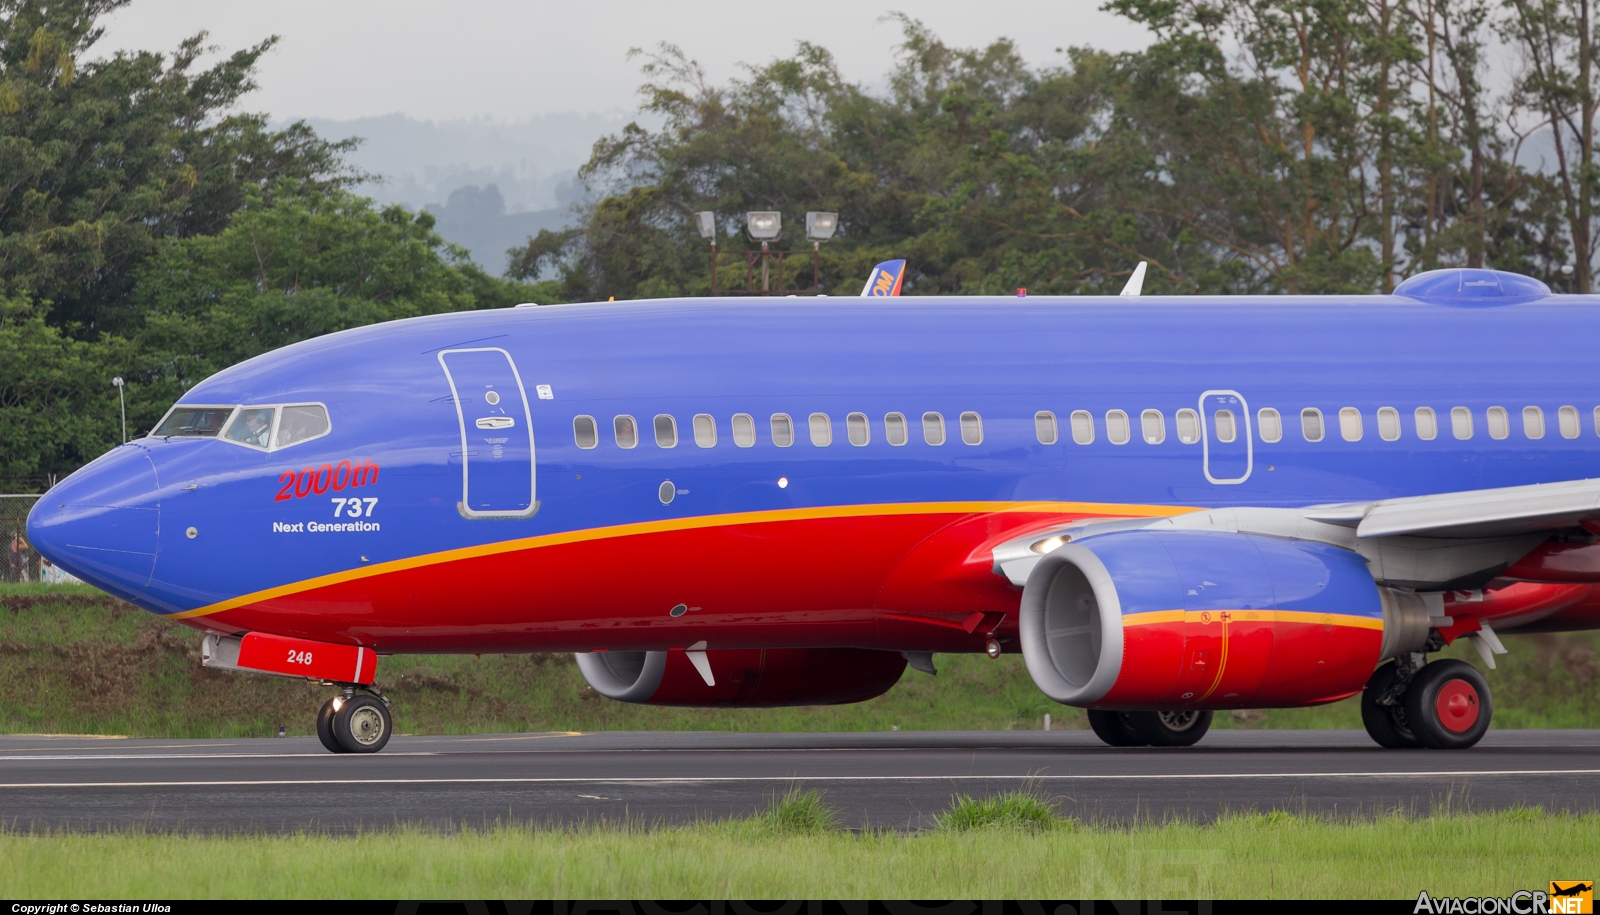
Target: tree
x,y
101,159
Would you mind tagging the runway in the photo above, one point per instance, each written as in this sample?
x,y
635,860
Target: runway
x,y
893,780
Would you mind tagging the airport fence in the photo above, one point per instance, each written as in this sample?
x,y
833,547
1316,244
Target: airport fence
x,y
20,561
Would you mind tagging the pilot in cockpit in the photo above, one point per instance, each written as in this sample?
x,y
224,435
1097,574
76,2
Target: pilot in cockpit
x,y
253,427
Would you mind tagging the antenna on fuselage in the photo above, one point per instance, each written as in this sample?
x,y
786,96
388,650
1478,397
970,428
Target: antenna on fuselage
x,y
1135,282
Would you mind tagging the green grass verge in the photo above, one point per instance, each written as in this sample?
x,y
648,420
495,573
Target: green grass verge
x,y
793,850
75,661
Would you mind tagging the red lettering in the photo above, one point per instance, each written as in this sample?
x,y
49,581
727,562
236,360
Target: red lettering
x,y
303,483
342,476
287,479
324,476
369,471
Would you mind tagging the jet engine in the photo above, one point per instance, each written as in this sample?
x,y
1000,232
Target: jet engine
x,y
743,677
1142,619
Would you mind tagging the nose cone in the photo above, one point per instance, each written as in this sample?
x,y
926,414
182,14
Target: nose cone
x,y
103,523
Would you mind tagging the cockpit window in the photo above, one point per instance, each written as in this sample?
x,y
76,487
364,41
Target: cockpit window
x,y
253,427
299,423
193,421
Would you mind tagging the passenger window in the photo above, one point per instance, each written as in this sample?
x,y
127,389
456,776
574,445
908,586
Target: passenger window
x,y
782,430
744,430
856,427
301,423
933,428
821,430
894,428
627,431
253,427
1461,423
205,421
1311,424
1533,422
1499,425
1568,417
1350,426
1597,420
1227,431
1271,425
1188,426
666,431
705,430
584,432
1388,424
971,428
1044,427
1427,424
1083,427
1154,427
1117,427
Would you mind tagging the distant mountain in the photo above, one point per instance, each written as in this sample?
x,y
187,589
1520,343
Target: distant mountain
x,y
500,181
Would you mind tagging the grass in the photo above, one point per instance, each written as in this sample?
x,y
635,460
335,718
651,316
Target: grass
x,y
792,850
75,661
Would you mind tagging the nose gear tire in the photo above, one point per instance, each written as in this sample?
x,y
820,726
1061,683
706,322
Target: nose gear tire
x,y
1114,729
325,728
1182,728
1386,724
1448,706
362,725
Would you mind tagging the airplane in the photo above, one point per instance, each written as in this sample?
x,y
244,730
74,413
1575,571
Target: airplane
x,y
1168,505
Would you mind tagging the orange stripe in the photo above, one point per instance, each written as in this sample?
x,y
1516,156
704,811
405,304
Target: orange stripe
x,y
1272,616
687,524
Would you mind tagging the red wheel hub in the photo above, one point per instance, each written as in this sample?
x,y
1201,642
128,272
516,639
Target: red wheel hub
x,y
1457,706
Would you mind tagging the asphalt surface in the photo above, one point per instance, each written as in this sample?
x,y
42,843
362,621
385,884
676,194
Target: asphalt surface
x,y
898,780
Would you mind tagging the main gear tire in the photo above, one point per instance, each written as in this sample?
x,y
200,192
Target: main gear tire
x,y
362,724
1114,729
1448,705
1386,724
1179,728
325,727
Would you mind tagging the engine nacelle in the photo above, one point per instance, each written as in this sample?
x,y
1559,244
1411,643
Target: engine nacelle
x,y
1211,620
744,678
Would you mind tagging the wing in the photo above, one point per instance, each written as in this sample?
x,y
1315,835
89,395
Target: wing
x,y
1448,541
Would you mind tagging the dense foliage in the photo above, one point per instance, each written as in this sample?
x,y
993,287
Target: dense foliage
x,y
1306,146
149,231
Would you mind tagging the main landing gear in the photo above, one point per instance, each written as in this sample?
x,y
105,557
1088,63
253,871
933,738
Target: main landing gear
x,y
355,722
1150,729
1443,705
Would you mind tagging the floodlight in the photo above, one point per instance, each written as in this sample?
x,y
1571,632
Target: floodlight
x,y
820,226
764,224
707,223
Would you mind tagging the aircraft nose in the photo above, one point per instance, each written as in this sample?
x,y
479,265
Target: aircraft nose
x,y
103,523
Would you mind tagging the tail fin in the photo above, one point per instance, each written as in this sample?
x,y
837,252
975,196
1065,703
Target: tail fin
x,y
885,279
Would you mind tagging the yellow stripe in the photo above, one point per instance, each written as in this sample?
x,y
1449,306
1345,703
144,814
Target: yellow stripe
x,y
1272,616
687,524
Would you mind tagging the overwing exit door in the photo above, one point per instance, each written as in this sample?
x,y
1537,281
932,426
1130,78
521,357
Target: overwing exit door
x,y
1227,451
497,459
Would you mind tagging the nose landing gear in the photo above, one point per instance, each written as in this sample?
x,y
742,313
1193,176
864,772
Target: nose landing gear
x,y
355,722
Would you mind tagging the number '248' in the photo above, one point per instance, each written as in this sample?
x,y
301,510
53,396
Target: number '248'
x,y
353,508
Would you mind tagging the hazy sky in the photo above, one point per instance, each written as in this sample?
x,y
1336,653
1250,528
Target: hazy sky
x,y
507,60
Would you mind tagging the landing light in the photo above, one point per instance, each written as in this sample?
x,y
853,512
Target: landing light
x,y
1050,544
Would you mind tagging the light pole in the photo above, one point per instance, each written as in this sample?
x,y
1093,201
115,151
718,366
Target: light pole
x,y
706,221
764,225
819,228
123,403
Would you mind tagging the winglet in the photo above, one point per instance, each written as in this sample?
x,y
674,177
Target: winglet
x,y
885,279
1135,282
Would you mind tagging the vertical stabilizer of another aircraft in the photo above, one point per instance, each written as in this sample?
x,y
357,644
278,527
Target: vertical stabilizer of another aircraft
x,y
885,279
